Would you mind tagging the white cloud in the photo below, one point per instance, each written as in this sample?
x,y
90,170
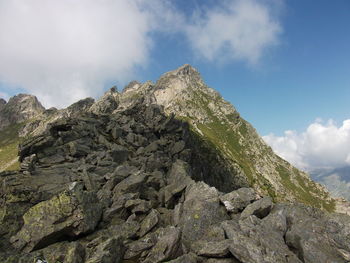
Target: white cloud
x,y
322,145
65,50
238,29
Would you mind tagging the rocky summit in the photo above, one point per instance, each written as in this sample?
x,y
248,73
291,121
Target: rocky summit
x,y
160,173
19,108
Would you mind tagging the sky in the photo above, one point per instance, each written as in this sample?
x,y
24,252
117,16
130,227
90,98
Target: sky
x,y
284,64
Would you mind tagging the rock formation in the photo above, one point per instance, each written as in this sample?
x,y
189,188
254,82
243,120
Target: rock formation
x,y
19,108
126,179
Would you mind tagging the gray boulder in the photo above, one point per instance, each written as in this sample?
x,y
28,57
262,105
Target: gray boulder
x,y
252,241
167,247
71,213
131,184
150,221
138,247
317,238
109,251
212,249
67,252
187,258
237,200
201,209
260,208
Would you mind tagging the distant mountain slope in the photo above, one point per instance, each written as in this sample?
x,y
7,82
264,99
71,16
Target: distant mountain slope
x,y
337,181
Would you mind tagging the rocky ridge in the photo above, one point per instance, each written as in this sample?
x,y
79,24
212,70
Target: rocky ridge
x,y
121,185
244,158
184,93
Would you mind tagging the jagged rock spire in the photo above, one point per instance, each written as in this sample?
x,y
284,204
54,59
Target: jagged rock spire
x,y
19,108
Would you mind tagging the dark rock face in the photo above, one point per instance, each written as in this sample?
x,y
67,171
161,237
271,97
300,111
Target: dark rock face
x,y
2,103
108,187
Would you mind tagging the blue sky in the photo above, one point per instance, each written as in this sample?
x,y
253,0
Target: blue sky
x,y
307,76
302,71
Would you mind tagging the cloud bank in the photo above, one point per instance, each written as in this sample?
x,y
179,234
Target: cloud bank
x,y
66,50
322,145
240,30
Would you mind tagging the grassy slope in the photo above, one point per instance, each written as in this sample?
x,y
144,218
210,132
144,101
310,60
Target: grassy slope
x,y
9,141
228,140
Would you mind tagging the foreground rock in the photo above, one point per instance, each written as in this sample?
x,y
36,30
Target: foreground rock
x,y
69,214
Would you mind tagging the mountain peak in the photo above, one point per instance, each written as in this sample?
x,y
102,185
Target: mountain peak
x,y
186,69
184,72
19,108
131,86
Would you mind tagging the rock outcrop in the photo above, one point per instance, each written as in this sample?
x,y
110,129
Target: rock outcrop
x,y
122,186
242,158
165,172
19,108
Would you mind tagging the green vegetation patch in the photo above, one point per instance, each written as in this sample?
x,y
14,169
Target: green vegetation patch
x,y
9,141
306,191
228,140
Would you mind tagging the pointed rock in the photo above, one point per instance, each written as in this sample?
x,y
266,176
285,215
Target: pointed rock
x,y
18,109
107,104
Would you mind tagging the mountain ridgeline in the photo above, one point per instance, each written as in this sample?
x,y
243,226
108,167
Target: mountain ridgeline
x,y
236,155
164,172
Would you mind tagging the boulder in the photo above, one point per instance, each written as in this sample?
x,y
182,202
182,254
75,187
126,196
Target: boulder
x,y
67,252
237,200
253,241
212,249
131,184
187,258
179,173
126,230
138,206
178,147
167,246
260,208
109,251
317,240
136,248
71,213
201,209
150,221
